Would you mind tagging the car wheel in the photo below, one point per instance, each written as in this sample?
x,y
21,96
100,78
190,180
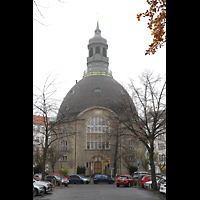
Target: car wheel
x,y
95,182
117,185
82,182
87,182
66,184
36,191
110,182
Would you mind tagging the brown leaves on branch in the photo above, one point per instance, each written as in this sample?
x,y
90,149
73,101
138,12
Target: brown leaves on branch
x,y
157,21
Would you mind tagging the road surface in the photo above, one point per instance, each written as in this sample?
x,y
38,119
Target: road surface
x,y
99,192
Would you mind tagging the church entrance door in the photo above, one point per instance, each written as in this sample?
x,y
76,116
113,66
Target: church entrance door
x,y
97,167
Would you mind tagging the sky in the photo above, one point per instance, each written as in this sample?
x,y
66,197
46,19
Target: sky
x,y
60,46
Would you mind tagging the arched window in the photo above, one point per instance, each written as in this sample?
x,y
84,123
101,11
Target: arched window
x,y
104,52
97,125
97,50
91,52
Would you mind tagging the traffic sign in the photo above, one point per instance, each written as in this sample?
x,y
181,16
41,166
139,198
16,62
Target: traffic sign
x,y
112,168
138,163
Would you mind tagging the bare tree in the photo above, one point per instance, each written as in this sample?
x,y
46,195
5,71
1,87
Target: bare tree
x,y
46,106
149,121
38,15
54,155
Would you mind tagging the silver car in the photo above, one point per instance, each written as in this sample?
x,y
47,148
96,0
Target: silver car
x,y
47,186
39,189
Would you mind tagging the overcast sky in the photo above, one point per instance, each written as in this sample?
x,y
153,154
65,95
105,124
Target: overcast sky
x,y
60,47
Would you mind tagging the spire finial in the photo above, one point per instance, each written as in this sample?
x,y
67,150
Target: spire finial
x,y
97,31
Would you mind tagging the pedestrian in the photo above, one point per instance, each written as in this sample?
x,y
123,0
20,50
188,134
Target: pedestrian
x,y
138,181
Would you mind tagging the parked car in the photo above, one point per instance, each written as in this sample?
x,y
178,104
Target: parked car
x,y
125,179
148,184
147,178
163,187
101,178
53,179
47,186
34,192
57,179
76,178
58,174
141,173
63,180
39,175
39,189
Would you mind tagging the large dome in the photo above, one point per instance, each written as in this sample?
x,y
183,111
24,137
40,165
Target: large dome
x,y
97,88
93,91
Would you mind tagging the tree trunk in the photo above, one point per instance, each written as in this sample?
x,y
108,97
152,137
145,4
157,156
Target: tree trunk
x,y
116,153
43,163
151,159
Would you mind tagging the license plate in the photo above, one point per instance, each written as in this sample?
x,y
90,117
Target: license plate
x,y
122,180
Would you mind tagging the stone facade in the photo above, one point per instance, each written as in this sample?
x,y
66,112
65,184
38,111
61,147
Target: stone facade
x,y
96,146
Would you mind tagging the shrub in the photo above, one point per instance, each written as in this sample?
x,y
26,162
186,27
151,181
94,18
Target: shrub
x,y
64,171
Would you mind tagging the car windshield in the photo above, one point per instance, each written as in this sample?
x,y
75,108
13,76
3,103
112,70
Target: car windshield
x,y
123,177
57,176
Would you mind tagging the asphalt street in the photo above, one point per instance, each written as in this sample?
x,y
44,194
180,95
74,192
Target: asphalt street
x,y
99,192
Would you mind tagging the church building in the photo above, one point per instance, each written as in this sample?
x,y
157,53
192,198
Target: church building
x,y
90,135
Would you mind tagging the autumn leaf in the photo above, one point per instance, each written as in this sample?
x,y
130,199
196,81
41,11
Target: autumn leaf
x,y
157,7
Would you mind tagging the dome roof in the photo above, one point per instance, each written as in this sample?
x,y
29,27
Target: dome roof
x,y
92,91
97,38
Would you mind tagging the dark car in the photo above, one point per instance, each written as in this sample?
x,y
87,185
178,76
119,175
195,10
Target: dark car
x,y
101,178
75,178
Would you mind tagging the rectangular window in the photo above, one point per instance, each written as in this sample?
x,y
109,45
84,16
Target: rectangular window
x,y
95,145
99,145
99,120
92,129
95,129
92,121
92,145
88,129
88,145
107,145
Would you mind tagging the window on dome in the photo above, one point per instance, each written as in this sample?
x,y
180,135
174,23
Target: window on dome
x,y
104,52
91,52
72,92
97,90
97,50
